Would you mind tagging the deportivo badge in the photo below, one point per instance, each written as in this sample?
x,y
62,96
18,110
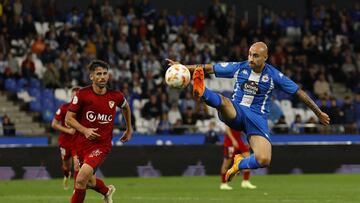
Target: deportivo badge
x,y
111,104
265,78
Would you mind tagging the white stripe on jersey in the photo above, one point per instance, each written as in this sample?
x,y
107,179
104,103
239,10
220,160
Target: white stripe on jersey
x,y
248,99
235,82
267,95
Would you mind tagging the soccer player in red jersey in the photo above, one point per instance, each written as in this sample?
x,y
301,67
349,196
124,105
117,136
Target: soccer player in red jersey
x,y
91,113
66,140
233,144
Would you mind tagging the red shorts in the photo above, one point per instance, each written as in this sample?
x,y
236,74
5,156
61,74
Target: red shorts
x,y
65,152
231,151
93,156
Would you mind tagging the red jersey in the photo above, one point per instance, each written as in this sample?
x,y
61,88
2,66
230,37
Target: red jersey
x,y
64,138
237,136
96,111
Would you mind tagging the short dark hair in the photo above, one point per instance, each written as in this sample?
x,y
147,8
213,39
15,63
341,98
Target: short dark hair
x,y
97,63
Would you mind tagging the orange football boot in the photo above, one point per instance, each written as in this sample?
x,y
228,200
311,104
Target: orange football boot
x,y
198,79
234,170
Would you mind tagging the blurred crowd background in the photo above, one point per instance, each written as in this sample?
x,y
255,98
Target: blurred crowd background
x,y
44,52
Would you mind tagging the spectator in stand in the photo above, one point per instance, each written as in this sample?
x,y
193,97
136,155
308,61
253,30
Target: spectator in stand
x,y
152,109
297,126
189,118
349,112
321,87
8,126
187,102
51,77
311,126
174,114
164,126
28,67
211,136
281,127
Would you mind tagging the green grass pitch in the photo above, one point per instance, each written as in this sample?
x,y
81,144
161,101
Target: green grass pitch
x,y
327,188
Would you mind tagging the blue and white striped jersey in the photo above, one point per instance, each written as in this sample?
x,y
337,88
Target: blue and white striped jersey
x,y
253,89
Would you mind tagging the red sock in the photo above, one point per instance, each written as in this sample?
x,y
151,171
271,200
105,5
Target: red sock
x,y
75,176
78,196
100,187
246,175
223,178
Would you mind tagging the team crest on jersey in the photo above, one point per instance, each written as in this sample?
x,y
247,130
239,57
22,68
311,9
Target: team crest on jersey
x,y
245,72
265,78
223,64
75,100
111,104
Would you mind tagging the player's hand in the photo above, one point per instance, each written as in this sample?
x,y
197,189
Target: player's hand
x,y
126,135
171,62
91,134
235,143
71,131
324,118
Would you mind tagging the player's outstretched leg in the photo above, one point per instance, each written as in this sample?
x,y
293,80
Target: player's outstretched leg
x,y
200,91
261,157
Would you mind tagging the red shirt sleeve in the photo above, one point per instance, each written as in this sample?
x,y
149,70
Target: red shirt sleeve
x,y
59,113
76,103
121,100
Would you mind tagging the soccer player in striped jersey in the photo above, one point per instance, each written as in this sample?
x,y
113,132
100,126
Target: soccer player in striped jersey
x,y
249,107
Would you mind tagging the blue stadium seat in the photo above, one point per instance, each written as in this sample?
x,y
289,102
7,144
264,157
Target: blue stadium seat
x,y
48,93
47,115
58,103
10,85
35,106
35,92
22,83
35,83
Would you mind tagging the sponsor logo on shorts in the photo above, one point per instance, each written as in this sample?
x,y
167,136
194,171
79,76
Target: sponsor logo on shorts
x,y
95,153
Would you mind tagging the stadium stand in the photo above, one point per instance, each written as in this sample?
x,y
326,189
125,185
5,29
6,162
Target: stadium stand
x,y
44,52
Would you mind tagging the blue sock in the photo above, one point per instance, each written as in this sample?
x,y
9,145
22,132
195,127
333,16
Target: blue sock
x,y
249,163
211,98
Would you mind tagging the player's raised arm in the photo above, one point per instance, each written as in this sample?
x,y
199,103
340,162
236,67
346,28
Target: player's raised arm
x,y
323,117
57,125
89,133
208,68
126,111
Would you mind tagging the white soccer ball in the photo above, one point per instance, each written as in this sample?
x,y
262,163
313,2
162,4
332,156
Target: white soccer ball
x,y
177,76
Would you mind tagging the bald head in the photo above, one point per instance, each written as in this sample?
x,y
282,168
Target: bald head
x,y
260,47
258,54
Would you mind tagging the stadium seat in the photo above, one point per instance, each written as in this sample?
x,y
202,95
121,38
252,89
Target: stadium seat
x,y
48,93
35,106
61,94
35,83
47,115
22,83
34,92
286,105
10,85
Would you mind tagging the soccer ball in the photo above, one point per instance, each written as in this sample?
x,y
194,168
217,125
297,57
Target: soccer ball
x,y
177,76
